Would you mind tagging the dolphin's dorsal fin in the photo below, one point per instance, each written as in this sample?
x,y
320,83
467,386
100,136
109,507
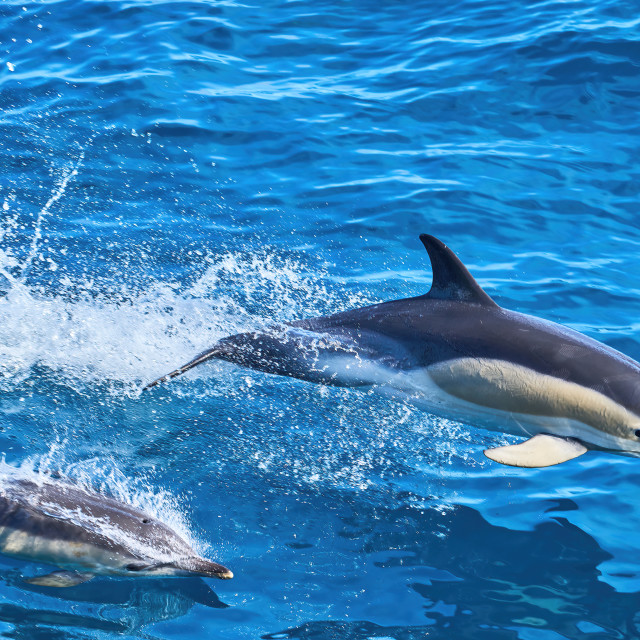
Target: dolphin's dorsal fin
x,y
451,280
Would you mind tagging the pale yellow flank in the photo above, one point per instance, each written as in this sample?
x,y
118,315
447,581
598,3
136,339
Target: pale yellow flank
x,y
509,387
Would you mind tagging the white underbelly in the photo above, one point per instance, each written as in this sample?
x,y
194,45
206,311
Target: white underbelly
x,y
509,398
65,553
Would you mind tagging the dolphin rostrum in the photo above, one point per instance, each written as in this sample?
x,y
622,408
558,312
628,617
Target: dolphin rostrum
x,y
455,352
89,534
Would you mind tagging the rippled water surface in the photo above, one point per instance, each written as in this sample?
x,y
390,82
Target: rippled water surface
x,y
176,171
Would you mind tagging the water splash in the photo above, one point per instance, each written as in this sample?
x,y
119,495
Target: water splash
x,y
67,174
120,334
123,338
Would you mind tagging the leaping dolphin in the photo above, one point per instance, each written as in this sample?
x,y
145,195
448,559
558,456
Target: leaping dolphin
x,y
455,352
89,534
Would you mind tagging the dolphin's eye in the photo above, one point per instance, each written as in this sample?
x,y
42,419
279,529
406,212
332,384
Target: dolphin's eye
x,y
147,521
135,567
637,432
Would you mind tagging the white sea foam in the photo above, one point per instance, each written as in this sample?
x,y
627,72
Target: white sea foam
x,y
88,339
124,335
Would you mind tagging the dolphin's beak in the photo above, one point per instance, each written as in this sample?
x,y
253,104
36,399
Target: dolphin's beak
x,y
206,568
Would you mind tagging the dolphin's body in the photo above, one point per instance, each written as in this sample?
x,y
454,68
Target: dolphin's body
x,y
88,534
458,354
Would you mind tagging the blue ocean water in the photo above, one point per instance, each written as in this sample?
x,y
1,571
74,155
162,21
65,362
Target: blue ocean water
x,y
176,171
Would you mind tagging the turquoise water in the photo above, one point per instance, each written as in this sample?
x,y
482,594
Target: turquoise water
x,y
176,171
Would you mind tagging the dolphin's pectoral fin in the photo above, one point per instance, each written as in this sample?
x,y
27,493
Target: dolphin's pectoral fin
x,y
60,579
543,450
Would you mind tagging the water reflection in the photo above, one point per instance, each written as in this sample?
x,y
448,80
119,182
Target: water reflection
x,y
42,624
478,580
125,606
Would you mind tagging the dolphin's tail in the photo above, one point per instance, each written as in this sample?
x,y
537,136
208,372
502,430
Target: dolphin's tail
x,y
284,350
242,348
214,352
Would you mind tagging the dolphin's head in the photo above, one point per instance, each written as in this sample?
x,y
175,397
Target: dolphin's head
x,y
158,550
189,566
142,545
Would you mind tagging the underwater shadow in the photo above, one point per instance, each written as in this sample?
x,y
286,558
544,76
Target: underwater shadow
x,y
483,581
43,624
125,605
